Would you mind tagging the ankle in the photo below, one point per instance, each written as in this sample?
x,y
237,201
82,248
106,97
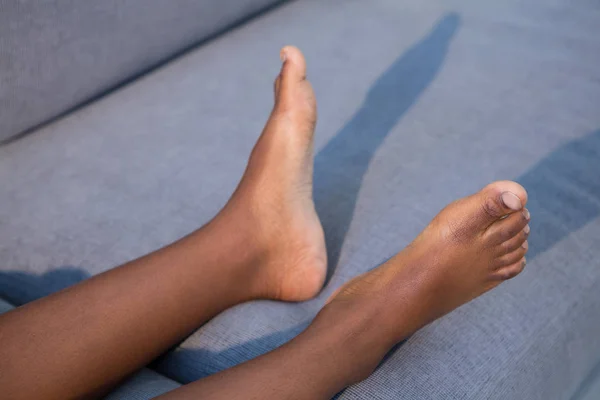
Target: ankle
x,y
240,251
284,236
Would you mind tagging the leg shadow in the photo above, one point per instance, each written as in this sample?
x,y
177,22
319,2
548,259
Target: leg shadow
x,y
341,165
19,287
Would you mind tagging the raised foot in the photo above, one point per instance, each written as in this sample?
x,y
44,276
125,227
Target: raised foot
x,y
273,201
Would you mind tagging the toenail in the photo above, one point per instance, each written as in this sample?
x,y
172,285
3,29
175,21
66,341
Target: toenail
x,y
511,201
525,245
526,214
283,55
527,229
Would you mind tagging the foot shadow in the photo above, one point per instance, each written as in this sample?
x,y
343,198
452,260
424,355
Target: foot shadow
x,y
341,165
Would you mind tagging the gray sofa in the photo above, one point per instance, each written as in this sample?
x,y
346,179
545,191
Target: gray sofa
x,y
127,125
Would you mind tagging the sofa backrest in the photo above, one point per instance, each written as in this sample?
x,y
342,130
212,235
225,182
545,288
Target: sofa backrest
x,y
58,54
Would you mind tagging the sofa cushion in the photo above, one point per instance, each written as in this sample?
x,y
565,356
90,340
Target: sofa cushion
x,y
419,103
57,54
144,385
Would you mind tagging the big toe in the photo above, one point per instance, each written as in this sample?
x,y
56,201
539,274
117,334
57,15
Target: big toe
x,y
491,204
497,200
293,69
293,93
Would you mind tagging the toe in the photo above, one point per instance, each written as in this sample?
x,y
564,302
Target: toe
x,y
294,96
510,271
512,244
294,66
499,199
510,258
292,75
505,229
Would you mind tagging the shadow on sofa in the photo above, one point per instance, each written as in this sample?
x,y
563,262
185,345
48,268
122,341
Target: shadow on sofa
x,y
341,165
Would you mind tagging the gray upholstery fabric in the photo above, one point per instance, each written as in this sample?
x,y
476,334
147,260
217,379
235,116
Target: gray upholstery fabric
x,y
5,306
56,54
590,389
419,103
144,385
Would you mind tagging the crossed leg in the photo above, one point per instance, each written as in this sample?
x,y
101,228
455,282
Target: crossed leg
x,y
267,242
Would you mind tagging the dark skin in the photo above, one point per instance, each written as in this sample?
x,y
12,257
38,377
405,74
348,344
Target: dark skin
x,y
266,243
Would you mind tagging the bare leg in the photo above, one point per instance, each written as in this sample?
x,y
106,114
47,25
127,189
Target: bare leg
x,y
472,246
266,243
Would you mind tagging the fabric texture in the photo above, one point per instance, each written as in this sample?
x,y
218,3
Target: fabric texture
x,y
57,54
144,385
420,103
590,389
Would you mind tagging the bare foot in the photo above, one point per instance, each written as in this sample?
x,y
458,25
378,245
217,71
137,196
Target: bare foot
x,y
274,197
470,247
